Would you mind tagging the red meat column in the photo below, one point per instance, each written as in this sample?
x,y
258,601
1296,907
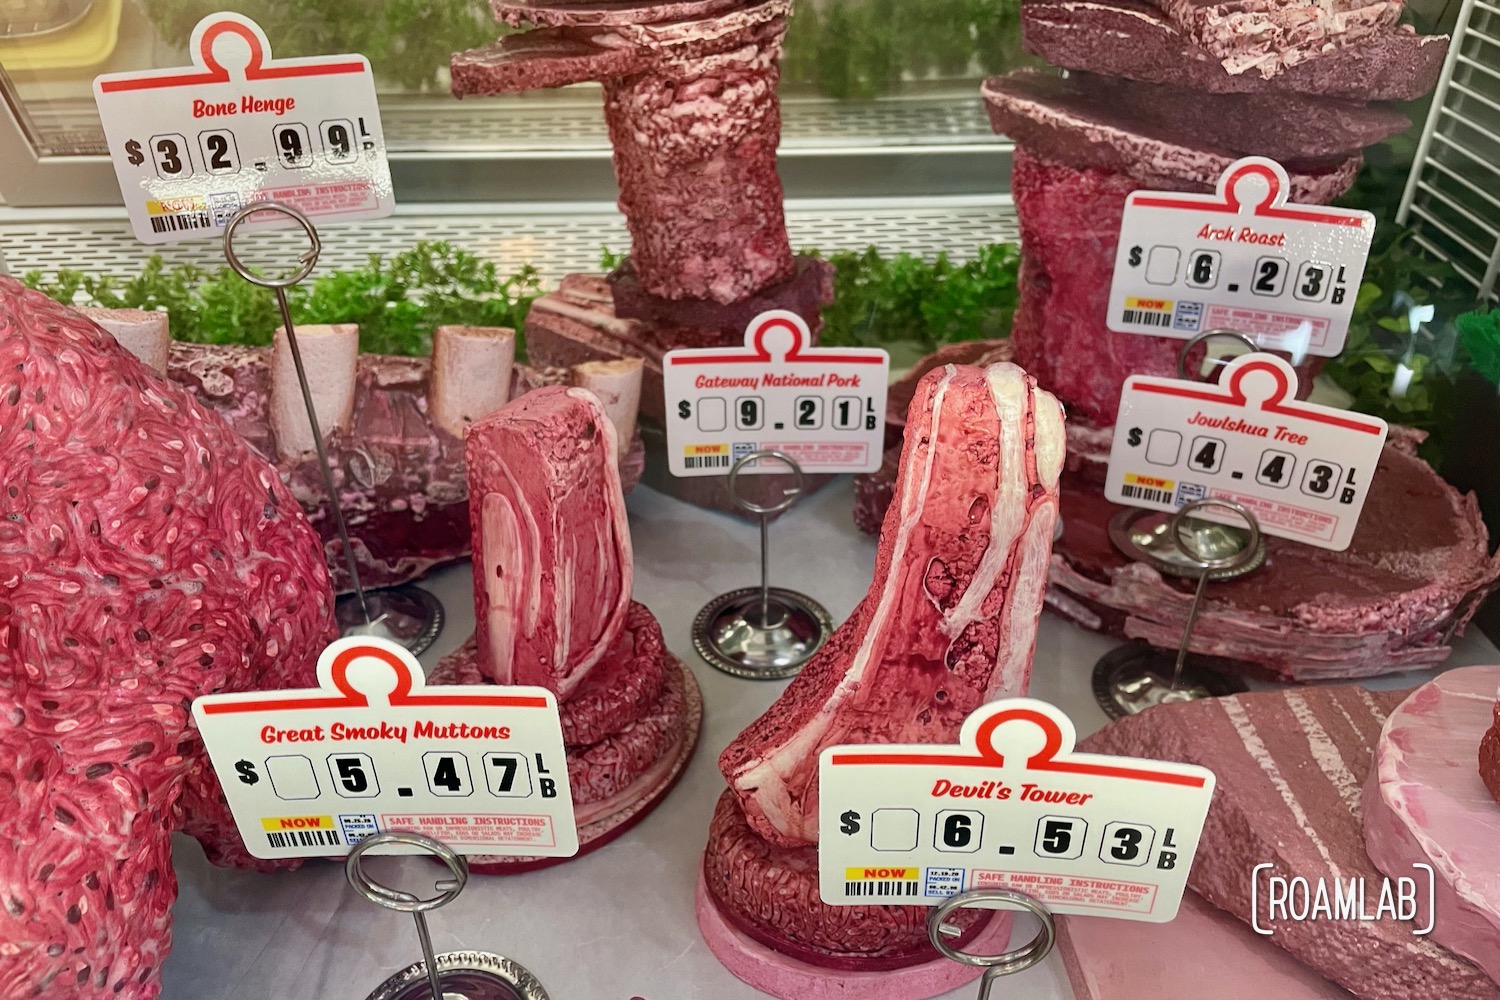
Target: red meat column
x,y
695,142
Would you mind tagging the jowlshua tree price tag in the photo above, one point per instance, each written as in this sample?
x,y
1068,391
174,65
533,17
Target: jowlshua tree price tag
x,y
312,773
825,407
1011,806
1240,259
192,146
1302,469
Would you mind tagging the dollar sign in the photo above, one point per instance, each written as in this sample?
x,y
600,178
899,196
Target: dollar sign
x,y
133,153
849,822
684,409
1135,256
1135,437
247,772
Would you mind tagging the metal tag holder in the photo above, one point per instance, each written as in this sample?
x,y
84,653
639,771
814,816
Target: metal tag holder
x,y
1131,679
460,975
763,633
1007,963
407,614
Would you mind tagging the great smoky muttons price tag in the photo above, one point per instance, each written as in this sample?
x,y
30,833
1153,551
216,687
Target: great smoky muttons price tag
x,y
1011,806
1302,469
192,146
312,773
823,406
1241,259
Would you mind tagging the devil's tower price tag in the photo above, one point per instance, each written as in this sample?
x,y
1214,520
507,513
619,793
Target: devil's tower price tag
x,y
191,146
1302,469
1011,806
312,773
825,407
1240,259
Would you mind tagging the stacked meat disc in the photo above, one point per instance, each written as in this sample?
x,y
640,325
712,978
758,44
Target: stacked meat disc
x,y
691,103
552,599
949,624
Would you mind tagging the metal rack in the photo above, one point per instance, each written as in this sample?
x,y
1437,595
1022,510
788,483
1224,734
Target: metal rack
x,y
1452,197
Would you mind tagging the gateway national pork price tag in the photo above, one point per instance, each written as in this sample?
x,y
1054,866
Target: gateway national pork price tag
x,y
312,773
1241,259
192,146
1011,806
825,407
1303,470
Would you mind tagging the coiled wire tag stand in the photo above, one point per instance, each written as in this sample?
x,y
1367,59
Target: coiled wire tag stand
x,y
408,615
1133,678
763,633
1007,963
459,975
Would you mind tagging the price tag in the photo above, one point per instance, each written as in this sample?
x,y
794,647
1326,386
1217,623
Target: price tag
x,y
192,146
1011,806
1241,259
825,407
312,773
1302,469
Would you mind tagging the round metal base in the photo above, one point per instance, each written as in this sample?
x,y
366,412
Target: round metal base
x,y
466,975
406,614
1145,535
729,633
1135,677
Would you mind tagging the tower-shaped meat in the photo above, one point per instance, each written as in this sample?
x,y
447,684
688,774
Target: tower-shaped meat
x,y
950,619
552,560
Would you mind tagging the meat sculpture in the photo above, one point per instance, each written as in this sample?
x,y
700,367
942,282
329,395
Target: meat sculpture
x,y
949,624
1425,805
1290,766
552,586
393,427
148,556
694,118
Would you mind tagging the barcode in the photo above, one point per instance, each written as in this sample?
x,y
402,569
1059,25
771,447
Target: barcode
x,y
304,838
1148,318
707,462
177,223
889,887
1145,493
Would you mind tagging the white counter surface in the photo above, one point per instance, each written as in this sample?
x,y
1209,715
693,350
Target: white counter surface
x,y
619,923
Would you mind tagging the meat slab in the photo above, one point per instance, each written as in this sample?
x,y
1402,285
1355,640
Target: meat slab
x,y
1425,804
1489,756
552,585
148,556
1290,766
949,623
1267,36
1130,960
552,581
1135,40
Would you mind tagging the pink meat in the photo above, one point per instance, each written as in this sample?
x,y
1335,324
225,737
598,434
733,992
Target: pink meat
x,y
1290,765
1489,757
147,556
552,570
950,620
1424,804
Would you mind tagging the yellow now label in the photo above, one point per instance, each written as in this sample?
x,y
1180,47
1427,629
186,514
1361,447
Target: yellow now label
x,y
276,824
1151,305
859,874
1154,482
694,450
176,206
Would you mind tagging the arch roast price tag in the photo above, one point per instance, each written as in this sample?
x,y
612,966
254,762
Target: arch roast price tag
x,y
823,406
1011,806
192,146
1240,259
1303,470
309,774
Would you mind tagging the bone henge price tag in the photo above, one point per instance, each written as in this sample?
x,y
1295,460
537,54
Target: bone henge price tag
x,y
312,773
1011,806
192,146
825,407
1303,470
1241,259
